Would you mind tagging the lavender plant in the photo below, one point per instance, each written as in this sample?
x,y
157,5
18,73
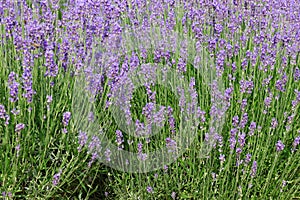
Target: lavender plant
x,y
55,140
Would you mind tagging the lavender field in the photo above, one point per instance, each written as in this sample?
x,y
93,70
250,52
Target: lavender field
x,y
150,99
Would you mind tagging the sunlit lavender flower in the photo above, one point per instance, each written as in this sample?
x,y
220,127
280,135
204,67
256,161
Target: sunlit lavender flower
x,y
214,176
228,93
166,168
297,74
27,84
232,142
171,145
253,169
18,148
173,195
94,144
56,178
268,100
222,158
106,194
7,194
246,86
141,155
49,99
119,139
172,124
19,127
107,154
91,117
235,121
13,87
244,120
15,111
233,66
2,112
218,28
159,117
243,104
238,151
148,110
296,142
252,128
279,146
248,158
66,118
241,139
149,189
94,156
284,183
82,139
274,123
51,66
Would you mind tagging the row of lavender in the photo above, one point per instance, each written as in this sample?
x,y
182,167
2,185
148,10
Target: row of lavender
x,y
254,46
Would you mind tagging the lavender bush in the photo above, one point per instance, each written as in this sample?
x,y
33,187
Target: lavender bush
x,y
66,65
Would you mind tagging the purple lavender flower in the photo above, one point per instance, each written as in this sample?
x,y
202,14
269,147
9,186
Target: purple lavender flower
x,y
94,156
244,120
107,154
141,155
82,139
243,104
232,142
235,121
173,195
253,169
140,128
27,84
56,178
119,139
18,148
149,189
172,123
296,142
91,117
274,123
233,67
171,145
49,99
19,127
51,66
106,194
248,158
222,158
166,168
252,128
279,146
159,117
297,74
268,100
2,112
241,139
15,111
94,144
228,93
218,28
148,110
13,87
246,86
66,118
